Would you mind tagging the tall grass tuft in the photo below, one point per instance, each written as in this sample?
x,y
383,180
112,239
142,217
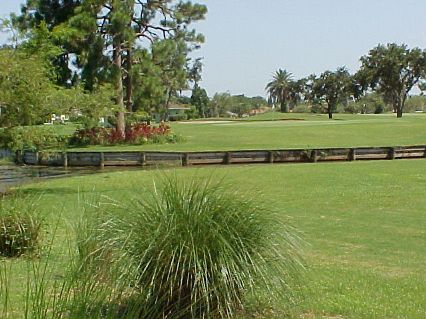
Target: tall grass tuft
x,y
188,249
20,225
197,248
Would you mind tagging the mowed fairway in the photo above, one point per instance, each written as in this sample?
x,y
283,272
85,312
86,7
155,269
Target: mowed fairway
x,y
278,131
364,224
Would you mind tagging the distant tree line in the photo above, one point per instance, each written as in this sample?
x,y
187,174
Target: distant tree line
x,y
387,75
223,104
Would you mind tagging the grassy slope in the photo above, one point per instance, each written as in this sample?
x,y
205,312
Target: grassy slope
x,y
269,132
364,222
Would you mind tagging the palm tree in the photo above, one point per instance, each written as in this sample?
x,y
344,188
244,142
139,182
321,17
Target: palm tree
x,y
279,89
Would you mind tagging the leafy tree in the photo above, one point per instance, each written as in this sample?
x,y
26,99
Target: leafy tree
x,y
200,100
393,70
279,89
332,88
8,27
297,90
307,89
28,98
220,104
223,103
24,88
367,104
171,56
194,71
52,14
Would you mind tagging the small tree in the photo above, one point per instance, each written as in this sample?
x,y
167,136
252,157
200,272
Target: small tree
x,y
279,89
200,100
332,88
393,70
297,90
220,104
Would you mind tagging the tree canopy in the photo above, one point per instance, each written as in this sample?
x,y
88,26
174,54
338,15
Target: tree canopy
x,y
141,47
279,89
393,70
332,88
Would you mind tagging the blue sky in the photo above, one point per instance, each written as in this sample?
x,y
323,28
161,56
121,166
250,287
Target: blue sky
x,y
247,40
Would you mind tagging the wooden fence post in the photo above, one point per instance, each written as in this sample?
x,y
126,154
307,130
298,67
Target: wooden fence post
x,y
142,158
313,156
185,159
65,159
228,158
392,153
37,158
352,154
19,158
271,157
101,159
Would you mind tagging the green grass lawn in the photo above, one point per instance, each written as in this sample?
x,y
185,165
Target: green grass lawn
x,y
364,224
280,131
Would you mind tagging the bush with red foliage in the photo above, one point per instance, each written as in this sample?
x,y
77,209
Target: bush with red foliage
x,y
136,134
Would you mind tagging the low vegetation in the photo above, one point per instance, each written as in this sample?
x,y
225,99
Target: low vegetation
x,y
185,249
137,134
362,221
61,137
195,249
33,138
20,226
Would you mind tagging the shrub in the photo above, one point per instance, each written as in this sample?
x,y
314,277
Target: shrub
x,y
317,108
368,104
197,249
20,227
302,108
137,118
90,136
136,134
85,121
178,117
32,138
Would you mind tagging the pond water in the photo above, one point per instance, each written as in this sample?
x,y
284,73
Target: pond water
x,y
12,175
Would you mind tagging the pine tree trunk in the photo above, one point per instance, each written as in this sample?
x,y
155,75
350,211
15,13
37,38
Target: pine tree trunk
x,y
118,86
129,84
169,96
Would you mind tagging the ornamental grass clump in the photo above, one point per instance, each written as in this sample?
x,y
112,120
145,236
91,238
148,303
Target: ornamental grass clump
x,y
198,249
20,226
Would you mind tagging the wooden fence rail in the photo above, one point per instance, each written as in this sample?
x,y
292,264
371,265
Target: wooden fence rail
x,y
132,158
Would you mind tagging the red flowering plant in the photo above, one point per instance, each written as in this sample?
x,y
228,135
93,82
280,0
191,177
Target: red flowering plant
x,y
139,133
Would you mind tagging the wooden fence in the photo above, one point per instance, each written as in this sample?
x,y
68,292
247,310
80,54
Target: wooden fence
x,y
5,153
132,158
